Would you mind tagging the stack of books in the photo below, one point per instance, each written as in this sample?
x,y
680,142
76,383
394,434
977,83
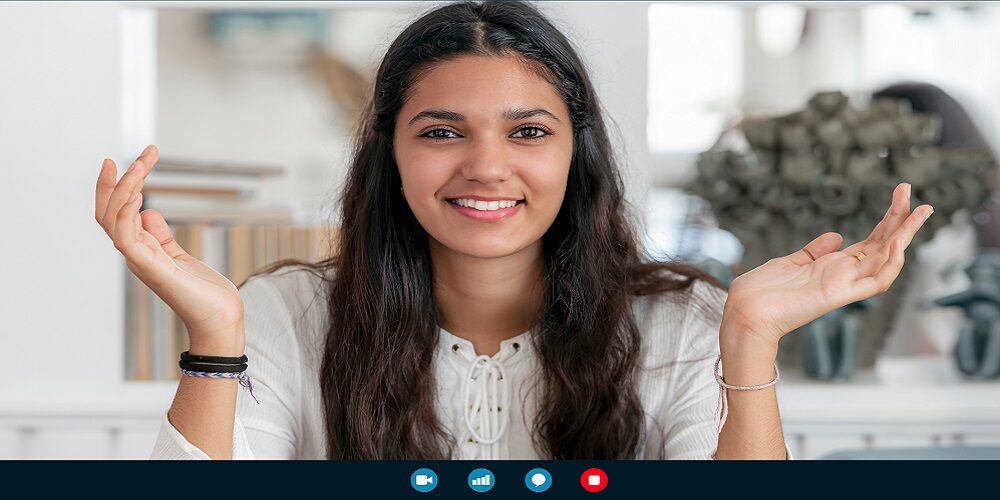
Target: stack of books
x,y
192,191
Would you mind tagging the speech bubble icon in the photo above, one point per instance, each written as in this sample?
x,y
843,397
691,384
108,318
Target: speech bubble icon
x,y
538,479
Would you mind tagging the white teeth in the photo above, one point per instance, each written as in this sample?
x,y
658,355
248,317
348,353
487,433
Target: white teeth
x,y
484,205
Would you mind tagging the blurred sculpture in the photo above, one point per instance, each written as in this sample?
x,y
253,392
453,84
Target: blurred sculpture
x,y
830,343
977,351
777,183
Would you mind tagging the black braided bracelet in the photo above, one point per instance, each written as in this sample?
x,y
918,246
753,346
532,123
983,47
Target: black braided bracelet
x,y
209,368
197,358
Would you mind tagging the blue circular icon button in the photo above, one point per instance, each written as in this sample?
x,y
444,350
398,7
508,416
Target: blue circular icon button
x,y
481,480
423,480
538,480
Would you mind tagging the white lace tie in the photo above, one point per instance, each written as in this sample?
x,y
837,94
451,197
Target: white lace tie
x,y
486,393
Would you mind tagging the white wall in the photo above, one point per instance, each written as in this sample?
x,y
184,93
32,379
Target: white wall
x,y
61,286
829,58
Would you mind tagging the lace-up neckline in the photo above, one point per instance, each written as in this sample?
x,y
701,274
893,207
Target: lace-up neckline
x,y
485,390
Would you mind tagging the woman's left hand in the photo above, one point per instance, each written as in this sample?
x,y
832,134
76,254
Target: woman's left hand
x,y
787,292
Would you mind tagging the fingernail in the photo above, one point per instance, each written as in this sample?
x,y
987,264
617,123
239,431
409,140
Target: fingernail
x,y
908,189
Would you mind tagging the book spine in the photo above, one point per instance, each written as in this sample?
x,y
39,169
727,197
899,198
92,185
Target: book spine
x,y
131,327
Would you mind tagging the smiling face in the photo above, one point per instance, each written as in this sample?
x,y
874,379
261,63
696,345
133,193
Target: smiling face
x,y
477,134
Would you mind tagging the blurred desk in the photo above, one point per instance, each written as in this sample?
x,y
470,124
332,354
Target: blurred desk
x,y
902,403
71,422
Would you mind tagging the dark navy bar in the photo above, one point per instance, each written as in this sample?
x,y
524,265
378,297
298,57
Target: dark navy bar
x,y
641,480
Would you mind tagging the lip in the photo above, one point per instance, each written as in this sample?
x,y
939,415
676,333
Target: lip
x,y
486,215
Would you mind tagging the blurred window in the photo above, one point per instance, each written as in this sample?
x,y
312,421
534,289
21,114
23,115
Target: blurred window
x,y
695,74
952,47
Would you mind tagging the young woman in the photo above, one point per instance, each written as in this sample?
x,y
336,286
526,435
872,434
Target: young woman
x,y
486,298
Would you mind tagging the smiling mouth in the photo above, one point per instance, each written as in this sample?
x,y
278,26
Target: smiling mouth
x,y
484,206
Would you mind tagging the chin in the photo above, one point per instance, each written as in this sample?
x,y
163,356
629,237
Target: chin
x,y
486,250
483,248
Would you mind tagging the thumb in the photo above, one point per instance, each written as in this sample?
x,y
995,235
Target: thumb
x,y
822,245
154,224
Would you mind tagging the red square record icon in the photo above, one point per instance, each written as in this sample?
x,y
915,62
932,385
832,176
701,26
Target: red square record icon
x,y
594,480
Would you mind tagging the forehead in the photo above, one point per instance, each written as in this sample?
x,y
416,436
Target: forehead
x,y
482,86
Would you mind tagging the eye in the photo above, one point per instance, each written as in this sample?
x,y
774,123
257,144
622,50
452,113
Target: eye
x,y
430,136
534,135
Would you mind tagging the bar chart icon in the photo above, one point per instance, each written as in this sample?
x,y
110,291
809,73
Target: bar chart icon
x,y
481,480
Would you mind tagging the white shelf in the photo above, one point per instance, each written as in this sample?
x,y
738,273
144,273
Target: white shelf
x,y
128,400
913,390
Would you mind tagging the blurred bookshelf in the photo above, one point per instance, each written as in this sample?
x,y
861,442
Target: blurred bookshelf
x,y
227,216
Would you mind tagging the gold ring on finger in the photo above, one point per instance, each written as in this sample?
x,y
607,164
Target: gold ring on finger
x,y
860,256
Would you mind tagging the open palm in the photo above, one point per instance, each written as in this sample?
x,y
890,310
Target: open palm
x,y
787,292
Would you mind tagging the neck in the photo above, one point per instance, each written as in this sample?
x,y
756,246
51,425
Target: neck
x,y
487,300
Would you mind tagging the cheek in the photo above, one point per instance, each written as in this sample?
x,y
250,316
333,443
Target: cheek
x,y
423,174
547,181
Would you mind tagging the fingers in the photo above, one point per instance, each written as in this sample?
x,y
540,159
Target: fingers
x,y
887,271
105,185
150,155
130,182
912,224
155,225
127,228
822,245
899,209
886,275
877,254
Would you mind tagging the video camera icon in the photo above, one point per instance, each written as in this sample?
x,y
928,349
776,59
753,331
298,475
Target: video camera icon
x,y
423,480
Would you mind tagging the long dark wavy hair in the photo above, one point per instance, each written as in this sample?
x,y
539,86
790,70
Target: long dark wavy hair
x,y
376,377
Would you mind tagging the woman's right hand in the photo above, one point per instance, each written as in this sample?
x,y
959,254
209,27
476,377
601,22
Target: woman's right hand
x,y
208,303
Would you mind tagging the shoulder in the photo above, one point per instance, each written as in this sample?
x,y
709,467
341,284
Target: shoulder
x,y
682,324
293,296
701,301
298,285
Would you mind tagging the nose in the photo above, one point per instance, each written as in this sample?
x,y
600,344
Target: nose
x,y
488,161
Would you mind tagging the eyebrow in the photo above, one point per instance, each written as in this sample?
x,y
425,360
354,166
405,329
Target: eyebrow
x,y
510,114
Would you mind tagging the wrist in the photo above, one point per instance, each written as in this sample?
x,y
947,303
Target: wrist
x,y
748,357
740,333
218,343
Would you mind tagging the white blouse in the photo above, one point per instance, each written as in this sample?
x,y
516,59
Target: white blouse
x,y
487,402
